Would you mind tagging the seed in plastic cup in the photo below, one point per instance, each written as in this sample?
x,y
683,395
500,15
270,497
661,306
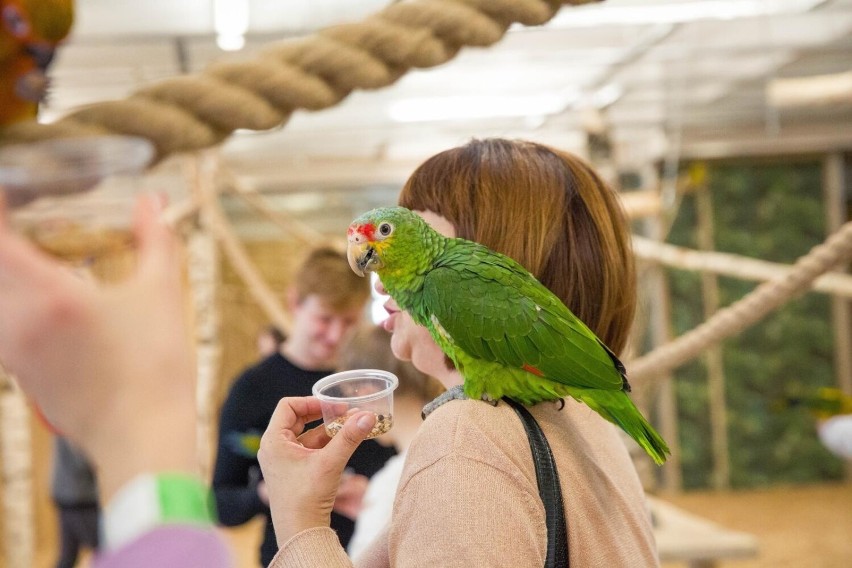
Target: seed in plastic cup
x,y
343,394
74,196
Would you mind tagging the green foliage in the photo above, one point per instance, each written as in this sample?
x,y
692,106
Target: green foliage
x,y
772,212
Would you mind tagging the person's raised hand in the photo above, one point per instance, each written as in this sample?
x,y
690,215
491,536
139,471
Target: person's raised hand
x,y
110,366
302,471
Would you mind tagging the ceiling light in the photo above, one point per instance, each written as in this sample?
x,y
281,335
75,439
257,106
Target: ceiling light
x,y
231,21
631,12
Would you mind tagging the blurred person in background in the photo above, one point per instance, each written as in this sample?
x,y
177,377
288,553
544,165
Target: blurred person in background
x,y
74,490
370,349
269,341
327,302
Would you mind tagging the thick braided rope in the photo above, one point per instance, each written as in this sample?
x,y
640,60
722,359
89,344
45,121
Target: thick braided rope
x,y
748,310
314,72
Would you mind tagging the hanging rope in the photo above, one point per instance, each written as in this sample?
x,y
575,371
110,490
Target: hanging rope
x,y
748,310
314,72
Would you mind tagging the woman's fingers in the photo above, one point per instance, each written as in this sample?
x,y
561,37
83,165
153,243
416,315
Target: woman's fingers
x,y
291,415
355,430
156,244
314,438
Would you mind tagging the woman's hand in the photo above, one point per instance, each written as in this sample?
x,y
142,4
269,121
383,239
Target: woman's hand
x,y
110,366
303,470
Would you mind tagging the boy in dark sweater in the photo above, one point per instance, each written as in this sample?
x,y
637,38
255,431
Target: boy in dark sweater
x,y
327,302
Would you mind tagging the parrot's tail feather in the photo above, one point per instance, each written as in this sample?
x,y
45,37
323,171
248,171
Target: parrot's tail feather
x,y
617,407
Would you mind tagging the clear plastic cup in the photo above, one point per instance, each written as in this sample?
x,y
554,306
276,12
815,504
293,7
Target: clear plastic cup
x,y
343,394
74,196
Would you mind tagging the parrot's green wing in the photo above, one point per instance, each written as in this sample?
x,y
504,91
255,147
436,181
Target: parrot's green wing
x,y
495,310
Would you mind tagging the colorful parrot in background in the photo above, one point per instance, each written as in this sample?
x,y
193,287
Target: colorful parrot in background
x,y
507,334
823,402
245,444
30,31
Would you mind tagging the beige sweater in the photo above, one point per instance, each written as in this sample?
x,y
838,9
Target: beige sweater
x,y
468,496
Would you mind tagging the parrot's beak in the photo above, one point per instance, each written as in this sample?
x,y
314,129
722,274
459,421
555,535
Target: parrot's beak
x,y
362,257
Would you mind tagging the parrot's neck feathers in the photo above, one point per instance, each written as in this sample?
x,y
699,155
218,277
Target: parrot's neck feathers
x,y
404,278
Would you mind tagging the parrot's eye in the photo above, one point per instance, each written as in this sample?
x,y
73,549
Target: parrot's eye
x,y
385,229
15,22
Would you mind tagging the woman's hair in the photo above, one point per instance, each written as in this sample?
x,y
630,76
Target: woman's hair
x,y
548,210
369,348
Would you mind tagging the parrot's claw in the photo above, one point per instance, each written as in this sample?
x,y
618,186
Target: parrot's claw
x,y
561,402
487,398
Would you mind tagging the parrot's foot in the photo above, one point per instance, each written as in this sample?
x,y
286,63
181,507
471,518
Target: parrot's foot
x,y
455,393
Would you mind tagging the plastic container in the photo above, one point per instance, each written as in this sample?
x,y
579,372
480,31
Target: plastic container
x,y
74,196
345,393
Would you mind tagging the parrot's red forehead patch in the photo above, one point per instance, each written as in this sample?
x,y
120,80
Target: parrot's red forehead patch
x,y
367,229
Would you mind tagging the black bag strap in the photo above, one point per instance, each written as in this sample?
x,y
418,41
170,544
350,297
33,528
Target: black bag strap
x,y
548,487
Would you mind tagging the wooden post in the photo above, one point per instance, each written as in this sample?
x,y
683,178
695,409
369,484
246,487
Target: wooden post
x,y
17,460
660,323
202,261
203,275
713,356
835,185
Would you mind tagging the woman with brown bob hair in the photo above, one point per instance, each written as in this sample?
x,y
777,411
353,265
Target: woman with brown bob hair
x,y
468,494
546,209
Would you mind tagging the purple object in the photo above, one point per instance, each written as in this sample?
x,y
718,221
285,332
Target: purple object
x,y
171,546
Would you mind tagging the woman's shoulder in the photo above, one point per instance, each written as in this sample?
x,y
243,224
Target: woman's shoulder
x,y
467,417
470,430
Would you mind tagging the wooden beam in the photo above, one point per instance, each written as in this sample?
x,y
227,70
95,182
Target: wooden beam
x,y
643,203
815,90
288,223
736,266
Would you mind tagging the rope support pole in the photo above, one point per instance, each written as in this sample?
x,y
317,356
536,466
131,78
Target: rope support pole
x,y
748,310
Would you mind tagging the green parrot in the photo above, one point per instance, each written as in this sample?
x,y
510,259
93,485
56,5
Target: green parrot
x,y
508,335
